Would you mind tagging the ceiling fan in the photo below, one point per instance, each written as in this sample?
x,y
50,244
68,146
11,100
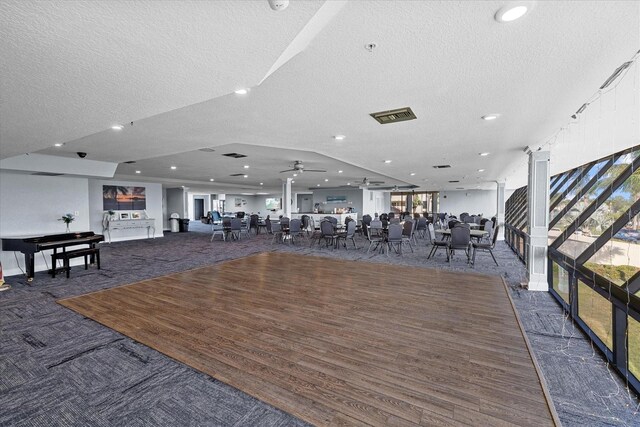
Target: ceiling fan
x,y
298,167
367,182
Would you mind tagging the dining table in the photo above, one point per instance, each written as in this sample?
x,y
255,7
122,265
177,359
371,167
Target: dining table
x,y
478,234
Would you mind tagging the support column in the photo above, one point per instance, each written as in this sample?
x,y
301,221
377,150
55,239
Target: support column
x,y
500,209
286,197
538,220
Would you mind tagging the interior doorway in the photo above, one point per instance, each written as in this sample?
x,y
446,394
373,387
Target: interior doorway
x,y
198,209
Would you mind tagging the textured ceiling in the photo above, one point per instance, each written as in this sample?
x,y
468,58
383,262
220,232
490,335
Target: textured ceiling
x,y
73,69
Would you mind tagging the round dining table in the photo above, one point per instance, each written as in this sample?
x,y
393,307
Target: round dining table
x,y
474,233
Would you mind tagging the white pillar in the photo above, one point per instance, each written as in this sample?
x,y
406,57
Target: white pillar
x,y
538,220
286,197
500,209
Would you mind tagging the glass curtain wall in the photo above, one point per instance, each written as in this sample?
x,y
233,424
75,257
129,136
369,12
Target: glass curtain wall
x,y
594,252
421,202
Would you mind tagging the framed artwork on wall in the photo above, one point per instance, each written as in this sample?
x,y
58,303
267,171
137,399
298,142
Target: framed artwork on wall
x,y
124,215
116,197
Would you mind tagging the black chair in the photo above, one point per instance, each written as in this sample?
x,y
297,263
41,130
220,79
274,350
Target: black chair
x,y
486,247
394,238
328,231
226,227
421,227
407,233
391,215
366,219
461,240
267,224
236,228
435,243
240,215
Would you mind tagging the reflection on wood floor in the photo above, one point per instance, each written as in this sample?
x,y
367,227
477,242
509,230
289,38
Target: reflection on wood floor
x,y
340,342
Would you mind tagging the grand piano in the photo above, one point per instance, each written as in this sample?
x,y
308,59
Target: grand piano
x,y
29,245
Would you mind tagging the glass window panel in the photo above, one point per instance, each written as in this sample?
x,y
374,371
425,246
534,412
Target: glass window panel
x,y
619,259
557,183
603,217
574,175
595,311
561,281
605,181
634,347
582,182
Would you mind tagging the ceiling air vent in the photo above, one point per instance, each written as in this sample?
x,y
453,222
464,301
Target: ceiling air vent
x,y
208,150
441,166
47,174
235,155
130,162
453,181
393,116
237,174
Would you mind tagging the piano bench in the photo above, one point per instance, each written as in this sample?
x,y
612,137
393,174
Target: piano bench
x,y
66,256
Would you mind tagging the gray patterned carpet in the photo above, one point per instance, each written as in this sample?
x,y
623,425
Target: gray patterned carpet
x,y
58,368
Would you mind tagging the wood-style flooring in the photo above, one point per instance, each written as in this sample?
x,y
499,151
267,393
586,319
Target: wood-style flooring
x,y
340,342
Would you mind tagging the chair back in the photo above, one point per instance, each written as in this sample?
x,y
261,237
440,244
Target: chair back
x,y
284,222
460,238
383,217
236,224
394,220
391,215
332,219
305,222
407,228
452,223
432,232
488,226
215,216
395,233
275,227
312,223
267,222
366,219
253,221
240,214
295,226
351,229
422,224
226,222
326,228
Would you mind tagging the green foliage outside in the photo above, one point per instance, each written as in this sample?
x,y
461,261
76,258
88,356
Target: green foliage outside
x,y
618,274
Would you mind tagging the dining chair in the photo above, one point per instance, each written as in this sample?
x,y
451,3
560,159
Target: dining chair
x,y
245,228
350,234
460,239
421,227
267,224
276,230
226,227
488,227
295,230
316,235
236,228
377,239
217,230
328,233
253,223
394,238
435,243
407,233
486,247
375,228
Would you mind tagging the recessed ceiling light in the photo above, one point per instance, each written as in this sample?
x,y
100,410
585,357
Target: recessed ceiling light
x,y
348,183
138,172
490,117
241,92
483,154
246,166
262,183
339,171
317,185
58,144
293,182
295,174
512,11
245,176
326,180
480,170
387,161
339,137
211,179
117,127
412,174
173,168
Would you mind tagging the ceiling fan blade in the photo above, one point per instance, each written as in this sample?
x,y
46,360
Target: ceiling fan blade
x,y
314,170
288,170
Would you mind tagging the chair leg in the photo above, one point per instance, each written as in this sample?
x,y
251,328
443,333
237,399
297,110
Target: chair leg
x,y
473,262
98,259
494,258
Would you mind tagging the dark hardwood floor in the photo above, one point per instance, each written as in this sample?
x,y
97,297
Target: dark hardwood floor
x,y
340,342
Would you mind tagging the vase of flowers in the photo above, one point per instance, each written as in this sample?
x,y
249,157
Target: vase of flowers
x,y
111,214
67,219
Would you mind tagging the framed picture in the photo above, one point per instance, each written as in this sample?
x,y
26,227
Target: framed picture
x,y
119,198
124,215
135,215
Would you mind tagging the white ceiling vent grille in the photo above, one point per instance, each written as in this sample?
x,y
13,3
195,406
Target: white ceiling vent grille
x,y
393,116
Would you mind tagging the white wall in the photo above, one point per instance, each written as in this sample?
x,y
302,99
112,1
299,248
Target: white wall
x,y
471,201
153,194
354,199
31,205
375,201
